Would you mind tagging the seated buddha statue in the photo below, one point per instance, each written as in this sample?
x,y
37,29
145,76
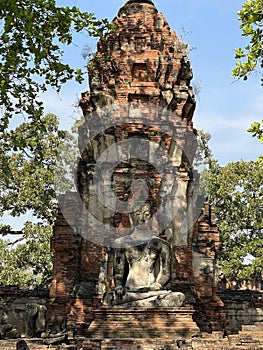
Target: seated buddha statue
x,y
142,267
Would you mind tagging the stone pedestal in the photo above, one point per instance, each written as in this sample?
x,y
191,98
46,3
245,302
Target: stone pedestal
x,y
165,323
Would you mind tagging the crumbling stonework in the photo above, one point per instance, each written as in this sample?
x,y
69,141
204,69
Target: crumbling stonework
x,y
140,71
243,308
137,152
141,61
22,312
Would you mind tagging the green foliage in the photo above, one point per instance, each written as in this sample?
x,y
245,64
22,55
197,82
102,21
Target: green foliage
x,y
248,58
28,156
256,130
31,40
251,57
236,190
27,261
28,172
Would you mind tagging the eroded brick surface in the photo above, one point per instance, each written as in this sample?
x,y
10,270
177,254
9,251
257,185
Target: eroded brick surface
x,y
142,66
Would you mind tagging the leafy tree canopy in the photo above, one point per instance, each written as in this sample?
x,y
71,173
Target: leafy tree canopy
x,y
236,190
250,57
28,260
27,169
28,172
31,57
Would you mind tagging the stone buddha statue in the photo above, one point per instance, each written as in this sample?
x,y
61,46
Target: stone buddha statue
x,y
142,267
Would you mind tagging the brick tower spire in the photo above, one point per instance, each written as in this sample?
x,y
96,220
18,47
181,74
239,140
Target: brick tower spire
x,y
143,59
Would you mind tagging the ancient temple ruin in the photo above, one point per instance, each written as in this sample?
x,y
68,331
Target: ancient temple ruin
x,y
136,248
122,257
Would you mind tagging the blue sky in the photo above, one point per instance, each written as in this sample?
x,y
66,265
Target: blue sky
x,y
225,108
